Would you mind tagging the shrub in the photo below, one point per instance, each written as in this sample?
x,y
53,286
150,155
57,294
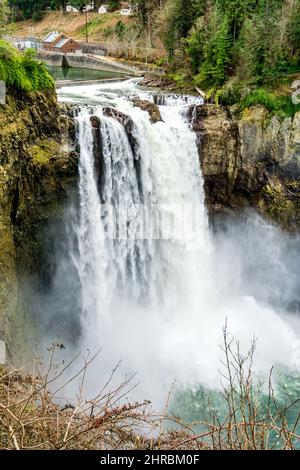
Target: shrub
x,y
37,16
114,4
248,414
259,96
229,94
281,105
179,78
22,71
161,62
120,29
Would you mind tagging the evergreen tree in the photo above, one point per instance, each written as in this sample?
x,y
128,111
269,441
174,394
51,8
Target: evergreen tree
x,y
260,50
216,50
185,14
3,13
145,8
294,32
181,17
195,42
79,4
59,5
114,4
236,12
24,9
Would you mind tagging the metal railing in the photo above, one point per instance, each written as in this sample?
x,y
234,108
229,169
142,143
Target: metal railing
x,y
23,43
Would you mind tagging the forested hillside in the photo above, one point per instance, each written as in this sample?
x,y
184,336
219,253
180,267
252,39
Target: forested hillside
x,y
237,51
231,46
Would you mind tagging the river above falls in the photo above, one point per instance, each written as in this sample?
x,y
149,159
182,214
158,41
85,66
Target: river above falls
x,y
80,74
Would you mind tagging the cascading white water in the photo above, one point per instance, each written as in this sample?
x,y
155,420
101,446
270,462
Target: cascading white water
x,y
159,303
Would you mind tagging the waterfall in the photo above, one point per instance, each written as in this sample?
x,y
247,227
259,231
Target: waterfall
x,y
138,266
154,292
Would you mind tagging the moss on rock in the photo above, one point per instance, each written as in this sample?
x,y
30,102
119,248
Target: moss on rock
x,y
42,153
280,201
38,171
250,160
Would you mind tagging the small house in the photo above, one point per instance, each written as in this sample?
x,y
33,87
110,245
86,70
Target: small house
x,y
89,7
50,41
71,9
126,12
103,10
66,45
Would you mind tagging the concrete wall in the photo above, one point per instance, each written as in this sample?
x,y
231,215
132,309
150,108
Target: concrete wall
x,y
93,48
87,62
51,58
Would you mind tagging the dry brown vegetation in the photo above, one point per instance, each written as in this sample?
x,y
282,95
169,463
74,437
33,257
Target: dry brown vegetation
x,y
34,416
135,44
71,24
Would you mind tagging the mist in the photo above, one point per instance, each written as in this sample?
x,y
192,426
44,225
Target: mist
x,y
159,306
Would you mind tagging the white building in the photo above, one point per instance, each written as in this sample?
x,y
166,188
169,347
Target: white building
x,y
70,9
126,12
89,7
102,10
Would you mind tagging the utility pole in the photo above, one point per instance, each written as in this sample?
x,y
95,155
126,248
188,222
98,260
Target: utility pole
x,y
86,23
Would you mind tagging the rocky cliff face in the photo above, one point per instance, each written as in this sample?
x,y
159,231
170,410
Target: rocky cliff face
x,y
38,171
251,160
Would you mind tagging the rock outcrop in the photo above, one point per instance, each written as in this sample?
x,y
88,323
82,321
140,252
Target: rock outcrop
x,y
96,122
162,82
151,108
128,125
118,115
38,172
250,160
219,154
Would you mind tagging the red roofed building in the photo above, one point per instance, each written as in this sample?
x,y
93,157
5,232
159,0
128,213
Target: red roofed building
x,y
51,40
59,42
66,45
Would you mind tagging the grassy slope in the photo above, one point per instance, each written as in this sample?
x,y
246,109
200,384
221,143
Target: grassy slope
x,y
72,24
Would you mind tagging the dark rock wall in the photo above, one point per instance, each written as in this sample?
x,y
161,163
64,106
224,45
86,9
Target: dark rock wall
x,y
250,160
38,173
